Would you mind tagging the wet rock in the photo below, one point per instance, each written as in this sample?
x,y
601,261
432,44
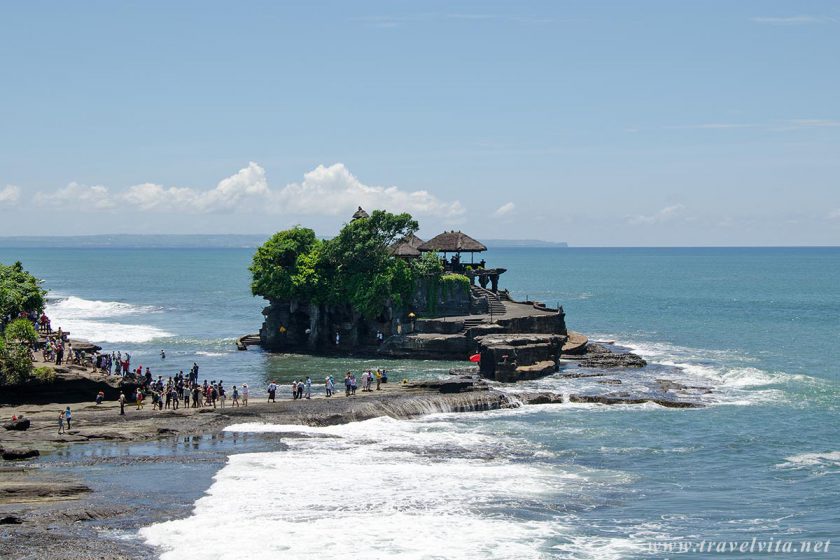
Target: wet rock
x,y
20,425
666,385
40,490
626,398
18,454
541,398
609,381
445,386
610,360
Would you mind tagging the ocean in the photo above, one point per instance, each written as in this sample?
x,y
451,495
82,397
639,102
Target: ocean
x,y
758,466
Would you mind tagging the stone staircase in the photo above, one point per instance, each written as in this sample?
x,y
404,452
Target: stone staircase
x,y
497,307
473,322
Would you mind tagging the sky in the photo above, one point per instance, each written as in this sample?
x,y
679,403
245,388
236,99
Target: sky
x,y
644,123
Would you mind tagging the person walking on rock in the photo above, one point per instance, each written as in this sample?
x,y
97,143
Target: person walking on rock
x,y
244,394
122,403
61,422
272,390
67,416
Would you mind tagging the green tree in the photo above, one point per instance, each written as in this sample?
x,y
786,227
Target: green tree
x,y
20,292
365,275
274,269
22,331
352,268
15,361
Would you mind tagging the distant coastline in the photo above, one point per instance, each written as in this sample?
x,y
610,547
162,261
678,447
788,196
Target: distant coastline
x,y
189,241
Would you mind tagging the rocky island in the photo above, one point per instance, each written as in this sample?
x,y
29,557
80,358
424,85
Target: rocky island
x,y
378,289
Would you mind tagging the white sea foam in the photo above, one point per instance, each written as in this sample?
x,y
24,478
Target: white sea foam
x,y
826,460
88,319
729,373
382,488
73,307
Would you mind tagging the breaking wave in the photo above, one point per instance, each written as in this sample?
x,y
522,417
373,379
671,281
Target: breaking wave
x,y
89,320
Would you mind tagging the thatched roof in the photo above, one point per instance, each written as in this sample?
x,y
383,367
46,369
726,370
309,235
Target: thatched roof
x,y
453,242
406,247
360,213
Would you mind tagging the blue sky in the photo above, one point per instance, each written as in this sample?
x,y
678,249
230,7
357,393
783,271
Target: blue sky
x,y
596,123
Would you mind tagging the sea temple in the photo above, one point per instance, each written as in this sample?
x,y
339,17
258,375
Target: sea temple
x,y
452,308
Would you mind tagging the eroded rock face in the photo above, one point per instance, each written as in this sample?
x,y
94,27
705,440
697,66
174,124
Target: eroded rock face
x,y
514,357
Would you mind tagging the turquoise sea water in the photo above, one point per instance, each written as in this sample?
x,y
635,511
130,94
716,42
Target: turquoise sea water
x,y
760,326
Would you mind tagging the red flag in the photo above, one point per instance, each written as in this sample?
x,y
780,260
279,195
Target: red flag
x,y
475,358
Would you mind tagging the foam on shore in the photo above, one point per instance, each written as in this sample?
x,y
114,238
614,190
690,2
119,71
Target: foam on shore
x,y
385,488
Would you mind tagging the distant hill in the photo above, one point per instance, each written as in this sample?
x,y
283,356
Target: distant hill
x,y
521,243
197,241
126,241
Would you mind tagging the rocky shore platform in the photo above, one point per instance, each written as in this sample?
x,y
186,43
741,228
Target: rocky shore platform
x,y
85,493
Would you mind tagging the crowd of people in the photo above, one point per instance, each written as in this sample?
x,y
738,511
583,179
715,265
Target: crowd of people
x,y
302,389
181,390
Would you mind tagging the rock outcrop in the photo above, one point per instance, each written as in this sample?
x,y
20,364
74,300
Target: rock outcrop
x,y
18,425
71,385
516,356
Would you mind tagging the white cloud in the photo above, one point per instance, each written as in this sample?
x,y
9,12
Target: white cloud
x,y
325,190
793,20
9,195
504,209
334,190
78,196
231,193
664,215
815,123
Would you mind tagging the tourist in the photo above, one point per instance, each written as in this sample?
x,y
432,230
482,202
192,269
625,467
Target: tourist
x,y
327,390
67,416
195,396
308,387
294,389
365,381
138,397
61,422
300,389
176,398
272,390
162,355
331,385
244,394
352,383
222,394
235,397
347,384
99,396
122,403
378,379
337,338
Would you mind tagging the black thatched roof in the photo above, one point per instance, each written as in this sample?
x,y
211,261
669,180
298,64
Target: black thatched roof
x,y
406,247
453,242
360,213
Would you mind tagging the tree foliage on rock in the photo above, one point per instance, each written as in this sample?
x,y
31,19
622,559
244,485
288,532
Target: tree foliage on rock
x,y
353,268
20,292
15,344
